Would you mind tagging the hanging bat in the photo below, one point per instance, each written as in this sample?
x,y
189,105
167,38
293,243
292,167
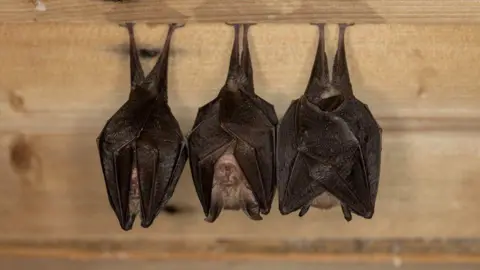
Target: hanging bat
x,y
330,143
141,147
232,144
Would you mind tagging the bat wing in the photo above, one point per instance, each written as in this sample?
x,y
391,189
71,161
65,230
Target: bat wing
x,y
359,181
287,154
371,144
267,109
207,141
372,150
206,111
327,152
204,178
117,170
161,157
115,146
248,158
367,131
373,157
300,188
241,116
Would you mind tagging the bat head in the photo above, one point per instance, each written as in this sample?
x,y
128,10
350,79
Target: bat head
x,y
230,189
326,97
325,201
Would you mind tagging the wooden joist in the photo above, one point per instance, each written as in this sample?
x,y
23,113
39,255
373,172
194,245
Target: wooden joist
x,y
305,11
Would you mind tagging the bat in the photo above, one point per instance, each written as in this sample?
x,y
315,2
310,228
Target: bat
x,y
141,147
232,143
330,143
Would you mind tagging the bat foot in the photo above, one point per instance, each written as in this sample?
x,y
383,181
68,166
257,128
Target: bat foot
x,y
247,25
318,24
345,25
127,25
177,25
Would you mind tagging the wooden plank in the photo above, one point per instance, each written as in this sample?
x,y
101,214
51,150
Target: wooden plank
x,y
368,11
69,78
321,250
50,264
53,188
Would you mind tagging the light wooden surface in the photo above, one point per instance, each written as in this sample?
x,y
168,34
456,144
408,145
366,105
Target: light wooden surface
x,y
367,11
60,82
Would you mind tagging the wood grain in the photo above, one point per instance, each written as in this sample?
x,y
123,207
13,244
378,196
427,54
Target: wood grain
x,y
74,76
60,82
52,264
367,11
55,189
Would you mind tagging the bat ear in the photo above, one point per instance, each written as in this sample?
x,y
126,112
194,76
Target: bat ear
x,y
340,75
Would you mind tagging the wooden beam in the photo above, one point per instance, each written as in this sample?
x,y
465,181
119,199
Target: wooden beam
x,y
120,263
304,11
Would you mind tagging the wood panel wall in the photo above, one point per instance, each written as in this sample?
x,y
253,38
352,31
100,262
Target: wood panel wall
x,y
60,81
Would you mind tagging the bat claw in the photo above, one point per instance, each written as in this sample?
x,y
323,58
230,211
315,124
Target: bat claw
x,y
176,25
345,25
318,24
128,25
247,25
